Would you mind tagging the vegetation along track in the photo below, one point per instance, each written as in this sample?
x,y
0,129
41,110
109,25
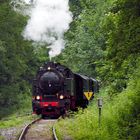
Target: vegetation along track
x,y
40,129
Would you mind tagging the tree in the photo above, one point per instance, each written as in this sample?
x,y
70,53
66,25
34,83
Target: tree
x,y
18,62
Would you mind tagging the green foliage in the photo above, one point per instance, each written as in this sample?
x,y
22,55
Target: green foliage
x,y
85,40
103,42
16,120
120,117
122,26
75,7
14,100
42,52
18,62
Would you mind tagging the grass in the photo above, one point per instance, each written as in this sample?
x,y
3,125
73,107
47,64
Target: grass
x,y
120,118
17,115
15,120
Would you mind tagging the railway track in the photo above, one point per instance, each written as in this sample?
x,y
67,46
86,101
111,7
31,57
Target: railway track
x,y
39,129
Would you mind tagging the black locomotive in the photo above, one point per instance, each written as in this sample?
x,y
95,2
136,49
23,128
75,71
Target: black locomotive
x,y
57,89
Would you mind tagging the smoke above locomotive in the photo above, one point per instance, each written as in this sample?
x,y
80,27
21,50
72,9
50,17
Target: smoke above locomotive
x,y
49,20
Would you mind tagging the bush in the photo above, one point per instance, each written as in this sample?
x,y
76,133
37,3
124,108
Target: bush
x,y
13,99
120,117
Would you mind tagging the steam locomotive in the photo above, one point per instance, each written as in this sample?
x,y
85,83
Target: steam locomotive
x,y
57,89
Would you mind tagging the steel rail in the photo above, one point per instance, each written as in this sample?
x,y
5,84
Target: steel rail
x,y
54,133
25,129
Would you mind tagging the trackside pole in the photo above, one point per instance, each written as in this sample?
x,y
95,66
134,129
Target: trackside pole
x,y
100,104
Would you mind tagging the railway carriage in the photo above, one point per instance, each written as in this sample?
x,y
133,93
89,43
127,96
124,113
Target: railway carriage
x,y
57,89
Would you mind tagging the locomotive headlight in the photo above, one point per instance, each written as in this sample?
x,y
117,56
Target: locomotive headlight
x,y
49,68
61,97
38,97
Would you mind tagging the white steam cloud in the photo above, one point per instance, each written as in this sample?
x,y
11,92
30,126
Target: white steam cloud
x,y
48,22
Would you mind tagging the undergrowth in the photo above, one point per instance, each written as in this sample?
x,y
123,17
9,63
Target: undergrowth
x,y
18,114
120,117
15,120
21,108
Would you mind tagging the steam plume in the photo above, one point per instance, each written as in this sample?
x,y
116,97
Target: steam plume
x,y
48,22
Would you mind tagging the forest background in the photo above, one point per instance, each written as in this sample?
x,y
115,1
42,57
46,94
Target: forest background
x,y
103,42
